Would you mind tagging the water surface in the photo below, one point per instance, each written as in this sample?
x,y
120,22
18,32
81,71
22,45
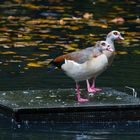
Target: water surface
x,y
34,32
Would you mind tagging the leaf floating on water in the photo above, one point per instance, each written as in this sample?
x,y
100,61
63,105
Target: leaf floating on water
x,y
41,55
136,51
30,59
24,44
121,52
102,25
3,28
76,18
19,44
62,22
74,28
60,8
69,47
118,8
13,61
20,56
41,21
44,49
12,18
32,6
88,16
131,37
135,21
6,47
36,65
8,52
23,37
77,36
132,34
3,39
91,35
48,36
118,20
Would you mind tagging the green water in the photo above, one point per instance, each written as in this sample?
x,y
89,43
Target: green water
x,y
34,32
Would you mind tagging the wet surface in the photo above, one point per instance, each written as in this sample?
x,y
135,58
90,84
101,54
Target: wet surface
x,y
63,98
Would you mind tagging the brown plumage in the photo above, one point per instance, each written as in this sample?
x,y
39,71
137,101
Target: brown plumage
x,y
77,56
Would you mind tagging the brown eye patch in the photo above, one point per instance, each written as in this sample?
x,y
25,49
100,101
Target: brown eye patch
x,y
115,33
103,44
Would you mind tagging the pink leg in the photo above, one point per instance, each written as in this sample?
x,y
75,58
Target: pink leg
x,y
93,86
80,100
90,89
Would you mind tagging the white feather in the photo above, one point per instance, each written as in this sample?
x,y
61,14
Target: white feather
x,y
87,70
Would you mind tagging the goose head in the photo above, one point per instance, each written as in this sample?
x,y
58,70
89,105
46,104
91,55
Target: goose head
x,y
103,45
114,35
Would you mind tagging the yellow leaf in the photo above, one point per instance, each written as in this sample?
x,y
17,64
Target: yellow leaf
x,y
34,65
121,52
137,51
8,52
44,49
31,6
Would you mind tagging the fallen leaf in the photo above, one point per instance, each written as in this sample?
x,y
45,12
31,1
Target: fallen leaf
x,y
8,52
121,52
88,16
61,22
118,20
31,64
136,51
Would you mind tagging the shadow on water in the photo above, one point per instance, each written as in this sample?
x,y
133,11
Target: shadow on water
x,y
34,32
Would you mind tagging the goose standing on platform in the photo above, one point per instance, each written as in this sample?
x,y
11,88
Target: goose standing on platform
x,y
85,64
111,37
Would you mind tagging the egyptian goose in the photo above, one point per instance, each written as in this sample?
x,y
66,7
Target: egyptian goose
x,y
111,37
85,64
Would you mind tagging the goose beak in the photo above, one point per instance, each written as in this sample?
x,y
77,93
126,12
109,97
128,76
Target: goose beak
x,y
120,37
110,49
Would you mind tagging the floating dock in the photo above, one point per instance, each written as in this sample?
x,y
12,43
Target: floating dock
x,y
61,106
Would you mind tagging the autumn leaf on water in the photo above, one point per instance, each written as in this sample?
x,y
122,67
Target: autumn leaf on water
x,y
97,24
135,21
8,52
136,51
24,44
88,16
44,49
38,64
13,61
121,52
32,6
40,55
132,34
42,21
34,64
118,20
61,22
3,28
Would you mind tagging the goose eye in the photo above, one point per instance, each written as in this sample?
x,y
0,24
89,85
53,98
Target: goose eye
x,y
115,33
103,44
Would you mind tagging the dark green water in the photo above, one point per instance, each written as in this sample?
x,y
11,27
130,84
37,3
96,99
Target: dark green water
x,y
35,31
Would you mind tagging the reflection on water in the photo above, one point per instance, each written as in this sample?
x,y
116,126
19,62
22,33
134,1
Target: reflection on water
x,y
87,131
33,32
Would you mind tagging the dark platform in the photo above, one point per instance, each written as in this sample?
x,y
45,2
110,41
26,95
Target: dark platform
x,y
60,106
